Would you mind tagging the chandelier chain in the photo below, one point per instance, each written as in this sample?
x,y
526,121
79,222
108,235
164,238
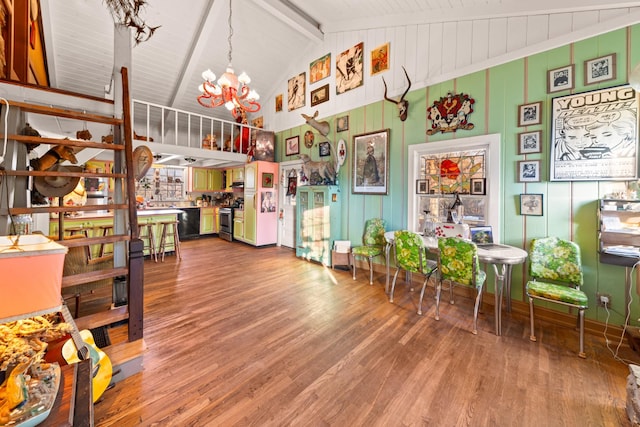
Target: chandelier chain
x,y
230,31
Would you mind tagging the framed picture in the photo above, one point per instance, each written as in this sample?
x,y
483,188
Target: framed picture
x,y
292,146
478,186
600,69
380,59
342,124
296,91
531,204
349,69
267,180
320,95
422,186
292,185
529,171
258,122
267,201
320,68
560,79
324,149
530,142
371,163
596,143
530,114
278,103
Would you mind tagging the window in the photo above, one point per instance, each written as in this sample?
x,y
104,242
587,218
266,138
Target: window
x,y
467,166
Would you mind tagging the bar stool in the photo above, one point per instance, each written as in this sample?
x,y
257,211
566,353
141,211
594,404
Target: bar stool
x,y
148,239
80,230
170,228
106,230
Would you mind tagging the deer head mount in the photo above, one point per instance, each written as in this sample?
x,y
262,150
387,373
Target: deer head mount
x,y
402,104
322,127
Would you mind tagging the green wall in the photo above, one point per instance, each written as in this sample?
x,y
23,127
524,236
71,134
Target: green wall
x,y
570,208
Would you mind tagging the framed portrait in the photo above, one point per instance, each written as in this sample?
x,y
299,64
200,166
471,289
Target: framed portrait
x,y
529,171
531,204
292,146
477,186
530,142
267,180
320,68
349,69
600,69
267,201
296,91
258,122
278,103
342,124
380,59
320,95
371,163
530,114
324,149
292,185
598,143
422,186
560,79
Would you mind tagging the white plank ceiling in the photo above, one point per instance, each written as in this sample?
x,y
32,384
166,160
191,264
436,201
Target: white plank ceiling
x,y
276,39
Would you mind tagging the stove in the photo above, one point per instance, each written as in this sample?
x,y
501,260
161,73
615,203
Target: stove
x,y
226,223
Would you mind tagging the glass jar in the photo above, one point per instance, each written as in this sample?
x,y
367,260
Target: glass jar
x,y
22,224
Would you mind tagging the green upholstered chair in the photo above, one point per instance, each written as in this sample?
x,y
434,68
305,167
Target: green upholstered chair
x,y
411,256
373,244
555,275
458,263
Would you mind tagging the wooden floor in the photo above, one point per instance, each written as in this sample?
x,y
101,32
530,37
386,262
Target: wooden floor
x,y
239,336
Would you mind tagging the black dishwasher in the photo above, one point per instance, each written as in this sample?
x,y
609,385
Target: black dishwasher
x,y
189,223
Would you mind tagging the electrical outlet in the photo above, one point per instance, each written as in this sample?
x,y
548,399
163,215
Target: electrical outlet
x,y
603,300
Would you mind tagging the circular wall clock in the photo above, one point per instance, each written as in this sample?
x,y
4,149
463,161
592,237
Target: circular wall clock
x,y
308,139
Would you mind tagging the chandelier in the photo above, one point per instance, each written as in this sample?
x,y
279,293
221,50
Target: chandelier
x,y
231,91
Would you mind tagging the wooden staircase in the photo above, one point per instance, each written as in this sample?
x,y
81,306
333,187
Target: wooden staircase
x,y
127,259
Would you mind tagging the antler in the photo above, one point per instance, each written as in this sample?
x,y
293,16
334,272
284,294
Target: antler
x,y
402,104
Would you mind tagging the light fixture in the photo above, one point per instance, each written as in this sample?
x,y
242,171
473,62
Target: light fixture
x,y
231,91
190,160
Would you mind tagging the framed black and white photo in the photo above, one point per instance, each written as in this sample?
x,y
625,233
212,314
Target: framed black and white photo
x,y
560,79
371,163
292,146
477,186
530,114
596,143
529,171
600,69
324,149
531,204
422,186
530,142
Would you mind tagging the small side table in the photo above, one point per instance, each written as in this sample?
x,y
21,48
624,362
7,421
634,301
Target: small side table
x,y
340,258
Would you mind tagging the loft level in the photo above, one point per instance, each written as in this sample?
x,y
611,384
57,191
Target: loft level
x,y
64,174
26,139
68,114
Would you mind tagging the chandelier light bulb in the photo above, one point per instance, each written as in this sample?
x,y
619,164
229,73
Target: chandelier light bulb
x,y
208,75
253,95
201,88
244,78
230,105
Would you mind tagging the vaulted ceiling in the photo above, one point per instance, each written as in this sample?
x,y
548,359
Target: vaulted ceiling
x,y
271,35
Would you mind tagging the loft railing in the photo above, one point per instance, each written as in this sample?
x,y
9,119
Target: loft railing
x,y
177,127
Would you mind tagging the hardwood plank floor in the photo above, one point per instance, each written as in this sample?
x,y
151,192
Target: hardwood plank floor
x,y
243,336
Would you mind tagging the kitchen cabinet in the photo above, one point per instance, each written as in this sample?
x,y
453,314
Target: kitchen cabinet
x,y
234,175
317,222
238,224
203,179
260,204
619,231
209,220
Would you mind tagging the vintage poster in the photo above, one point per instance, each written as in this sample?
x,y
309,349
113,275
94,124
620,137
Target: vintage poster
x,y
594,136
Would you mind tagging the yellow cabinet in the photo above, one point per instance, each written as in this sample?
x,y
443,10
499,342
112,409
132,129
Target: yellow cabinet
x,y
208,220
203,179
234,175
